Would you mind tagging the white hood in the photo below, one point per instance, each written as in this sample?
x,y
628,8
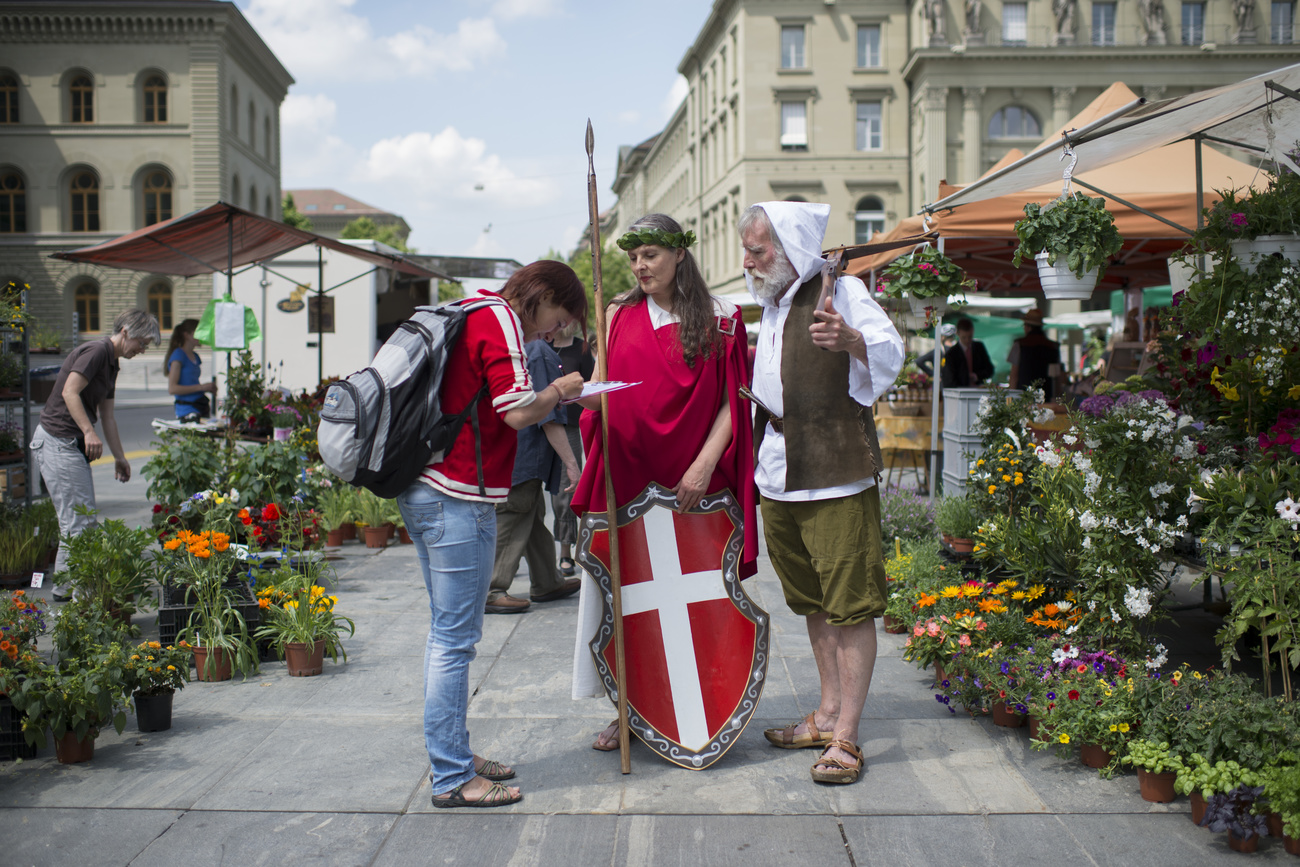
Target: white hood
x,y
801,227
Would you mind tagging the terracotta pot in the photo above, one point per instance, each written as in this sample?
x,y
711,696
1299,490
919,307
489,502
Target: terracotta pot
x,y
939,674
305,660
11,456
1005,716
1197,801
1243,844
1157,788
1094,756
1033,727
118,613
392,530
1275,825
376,537
16,579
962,546
349,531
224,669
1291,845
403,536
334,538
892,626
71,751
153,713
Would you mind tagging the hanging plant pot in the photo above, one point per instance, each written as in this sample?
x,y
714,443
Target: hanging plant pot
x,y
71,751
305,660
1247,253
153,713
1059,282
931,308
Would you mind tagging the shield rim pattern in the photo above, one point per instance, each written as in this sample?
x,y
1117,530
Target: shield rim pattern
x,y
657,495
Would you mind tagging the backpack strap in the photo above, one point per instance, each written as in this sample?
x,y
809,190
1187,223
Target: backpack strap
x,y
478,440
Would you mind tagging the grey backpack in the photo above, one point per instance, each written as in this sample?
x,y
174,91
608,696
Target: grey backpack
x,y
382,425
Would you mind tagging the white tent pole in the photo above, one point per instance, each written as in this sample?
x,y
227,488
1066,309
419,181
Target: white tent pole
x,y
934,398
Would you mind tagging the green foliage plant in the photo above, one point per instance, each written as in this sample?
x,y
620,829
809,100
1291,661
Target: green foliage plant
x,y
957,517
292,216
107,565
1152,757
183,464
152,669
73,698
372,509
1246,213
22,549
1076,228
300,610
1282,790
204,563
926,273
904,515
1210,779
365,228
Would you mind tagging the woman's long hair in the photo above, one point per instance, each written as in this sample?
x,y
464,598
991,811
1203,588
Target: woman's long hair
x,y
177,340
697,329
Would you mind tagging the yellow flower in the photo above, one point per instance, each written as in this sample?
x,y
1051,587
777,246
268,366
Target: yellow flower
x,y
171,668
1108,693
951,592
1197,674
993,489
1293,393
1123,728
135,656
1019,594
1064,738
980,462
219,500
1006,478
1114,727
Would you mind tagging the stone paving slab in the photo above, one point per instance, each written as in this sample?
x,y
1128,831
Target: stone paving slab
x,y
199,839
56,838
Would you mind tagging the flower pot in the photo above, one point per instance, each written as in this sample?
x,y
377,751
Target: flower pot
x,y
937,306
16,579
376,537
349,531
892,626
281,434
1197,801
403,536
1243,844
1291,845
1157,788
223,670
153,713
1275,825
392,530
11,456
1247,252
1033,727
1094,756
1004,716
305,660
71,751
334,538
1059,283
939,674
961,546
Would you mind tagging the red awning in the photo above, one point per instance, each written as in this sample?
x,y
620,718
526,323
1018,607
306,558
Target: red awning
x,y
221,237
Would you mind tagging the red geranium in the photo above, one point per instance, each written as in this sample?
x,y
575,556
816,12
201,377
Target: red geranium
x,y
1074,695
270,512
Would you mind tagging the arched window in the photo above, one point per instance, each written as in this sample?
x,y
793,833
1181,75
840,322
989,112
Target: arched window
x,y
266,137
252,125
252,198
795,199
84,190
266,210
8,98
158,301
869,219
234,110
1014,121
235,192
86,302
82,93
155,99
13,202
157,197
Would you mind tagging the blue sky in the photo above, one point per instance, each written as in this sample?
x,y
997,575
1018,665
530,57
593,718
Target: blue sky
x,y
409,106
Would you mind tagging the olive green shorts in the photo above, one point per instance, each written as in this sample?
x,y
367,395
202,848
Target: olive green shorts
x,y
827,554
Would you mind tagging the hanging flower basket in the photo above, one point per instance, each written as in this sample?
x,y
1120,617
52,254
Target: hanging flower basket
x,y
1247,253
1059,282
929,308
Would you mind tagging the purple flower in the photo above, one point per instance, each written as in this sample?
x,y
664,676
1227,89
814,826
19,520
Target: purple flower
x,y
1125,397
1207,353
1006,666
1051,696
1099,667
1238,221
1097,405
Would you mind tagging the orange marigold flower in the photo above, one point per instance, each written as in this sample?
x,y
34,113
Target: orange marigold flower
x,y
203,555
264,603
992,606
172,544
927,600
221,546
1050,609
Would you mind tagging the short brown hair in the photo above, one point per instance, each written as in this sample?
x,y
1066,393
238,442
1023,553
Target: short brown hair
x,y
531,282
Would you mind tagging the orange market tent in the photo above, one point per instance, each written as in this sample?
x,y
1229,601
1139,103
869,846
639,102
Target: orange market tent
x,y
979,235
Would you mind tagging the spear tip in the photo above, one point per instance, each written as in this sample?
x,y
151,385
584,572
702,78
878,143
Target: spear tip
x,y
591,139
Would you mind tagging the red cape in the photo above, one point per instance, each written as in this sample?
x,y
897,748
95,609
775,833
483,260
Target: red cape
x,y
658,428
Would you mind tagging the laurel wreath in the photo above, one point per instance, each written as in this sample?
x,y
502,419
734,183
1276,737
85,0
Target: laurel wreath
x,y
658,237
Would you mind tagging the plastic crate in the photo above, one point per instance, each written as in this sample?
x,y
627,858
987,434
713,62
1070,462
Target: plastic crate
x,y
173,618
12,743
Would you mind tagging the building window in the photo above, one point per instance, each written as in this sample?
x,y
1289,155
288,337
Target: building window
x,y
13,203
1015,23
9,95
234,110
266,210
868,46
252,125
1193,23
869,133
158,301
1103,24
86,303
1014,121
82,91
155,99
85,203
266,138
157,197
1281,27
869,219
235,192
252,198
794,126
792,46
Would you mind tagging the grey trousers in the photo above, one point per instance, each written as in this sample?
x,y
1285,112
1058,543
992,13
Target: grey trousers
x,y
565,526
521,532
68,479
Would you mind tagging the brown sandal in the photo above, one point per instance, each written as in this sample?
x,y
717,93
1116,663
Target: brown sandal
x,y
786,739
837,770
611,744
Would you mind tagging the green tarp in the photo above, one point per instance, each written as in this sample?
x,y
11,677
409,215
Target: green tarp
x,y
1155,296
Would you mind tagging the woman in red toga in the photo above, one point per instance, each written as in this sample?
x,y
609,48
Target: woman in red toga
x,y
685,426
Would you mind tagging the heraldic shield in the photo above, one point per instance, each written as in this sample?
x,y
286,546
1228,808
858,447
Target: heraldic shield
x,y
696,645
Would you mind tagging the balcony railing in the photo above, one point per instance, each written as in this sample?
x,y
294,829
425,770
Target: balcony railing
x,y
1133,35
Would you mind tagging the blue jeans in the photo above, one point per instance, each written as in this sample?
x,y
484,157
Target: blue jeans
x,y
455,541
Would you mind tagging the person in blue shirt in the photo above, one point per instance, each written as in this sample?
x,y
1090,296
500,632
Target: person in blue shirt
x,y
184,371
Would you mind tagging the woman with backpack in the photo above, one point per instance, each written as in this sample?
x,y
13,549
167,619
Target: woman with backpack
x,y
452,520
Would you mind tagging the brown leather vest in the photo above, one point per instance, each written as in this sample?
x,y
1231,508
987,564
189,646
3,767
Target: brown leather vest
x,y
830,438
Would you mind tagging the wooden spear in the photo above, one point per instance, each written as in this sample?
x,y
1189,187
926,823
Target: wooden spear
x,y
611,507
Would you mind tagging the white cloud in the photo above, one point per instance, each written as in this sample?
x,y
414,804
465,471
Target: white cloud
x,y
309,147
508,10
485,245
322,38
629,117
674,97
449,165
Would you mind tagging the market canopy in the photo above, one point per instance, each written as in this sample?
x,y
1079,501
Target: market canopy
x,y
221,237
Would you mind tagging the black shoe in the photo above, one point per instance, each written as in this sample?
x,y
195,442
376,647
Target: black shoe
x,y
564,591
567,567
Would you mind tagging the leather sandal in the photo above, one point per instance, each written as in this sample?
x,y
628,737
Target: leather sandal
x,y
611,744
836,770
491,770
497,795
786,739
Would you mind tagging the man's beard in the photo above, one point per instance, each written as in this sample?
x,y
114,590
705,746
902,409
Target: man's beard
x,y
770,285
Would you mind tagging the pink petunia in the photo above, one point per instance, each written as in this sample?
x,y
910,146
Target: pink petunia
x,y
964,641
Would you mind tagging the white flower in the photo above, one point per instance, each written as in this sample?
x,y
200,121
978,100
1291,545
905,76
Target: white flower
x,y
234,495
1088,521
1159,489
1092,443
1069,439
1047,456
1288,510
1138,601
1162,656
1065,605
1044,416
1073,629
1058,656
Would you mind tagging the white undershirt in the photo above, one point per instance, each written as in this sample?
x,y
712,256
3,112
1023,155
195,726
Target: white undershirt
x,y
867,382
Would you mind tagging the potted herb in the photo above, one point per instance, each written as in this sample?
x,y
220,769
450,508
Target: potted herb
x,y
927,279
1234,811
1282,789
956,519
301,623
21,551
1072,239
373,511
153,674
1156,767
335,511
107,566
11,376
40,339
217,629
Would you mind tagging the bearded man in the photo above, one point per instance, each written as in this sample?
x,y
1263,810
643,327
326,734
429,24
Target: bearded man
x,y
818,463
